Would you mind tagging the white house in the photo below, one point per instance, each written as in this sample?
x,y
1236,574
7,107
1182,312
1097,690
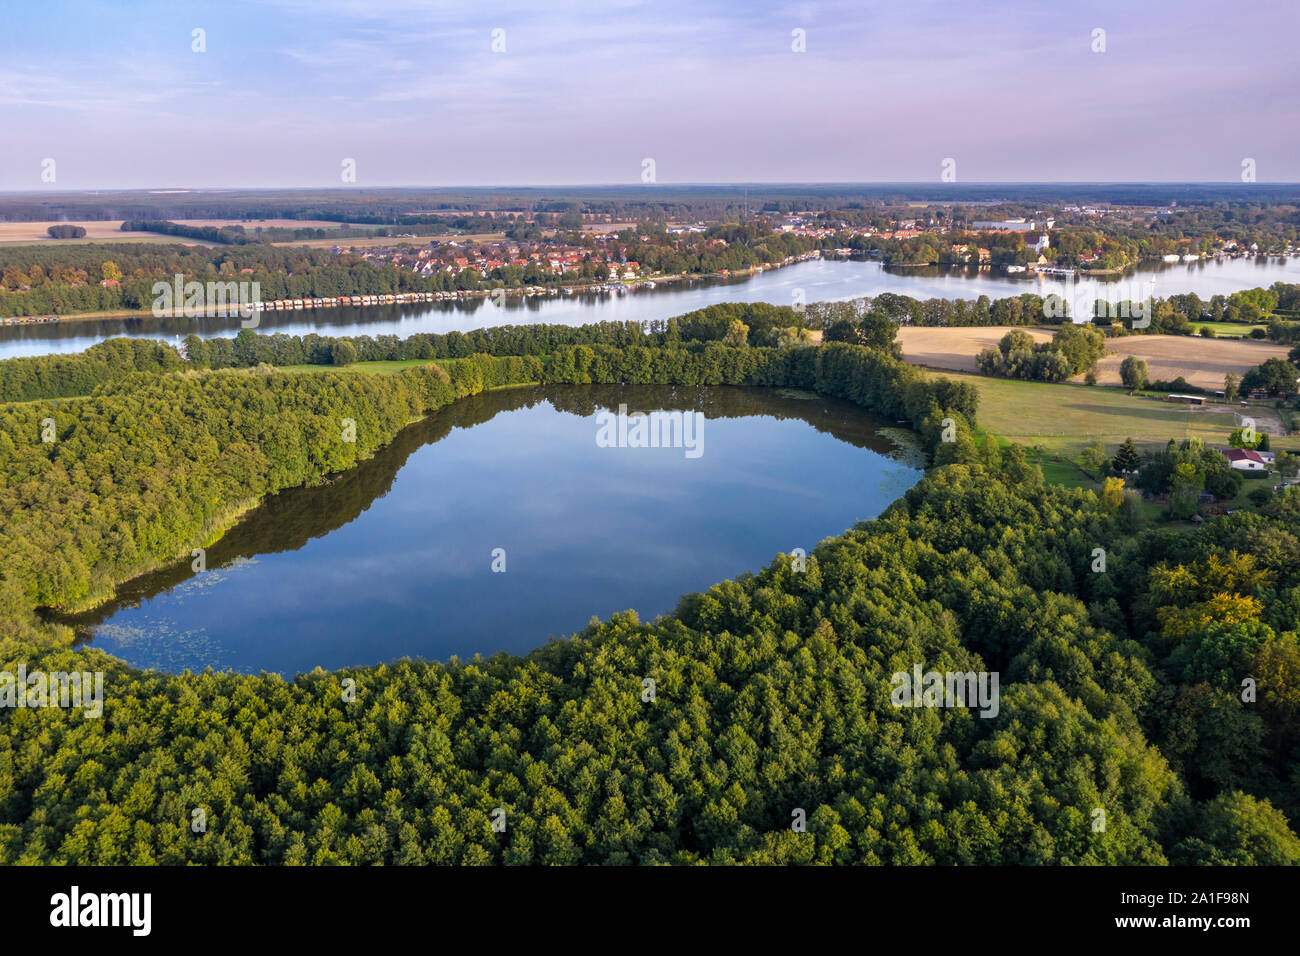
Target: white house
x,y
1246,459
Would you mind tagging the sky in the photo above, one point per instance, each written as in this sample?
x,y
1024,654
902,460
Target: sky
x,y
414,94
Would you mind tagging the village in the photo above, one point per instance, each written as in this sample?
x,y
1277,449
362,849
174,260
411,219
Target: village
x,y
603,257
598,263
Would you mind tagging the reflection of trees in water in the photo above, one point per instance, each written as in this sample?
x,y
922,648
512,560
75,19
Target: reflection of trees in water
x,y
288,520
206,326
351,318
835,417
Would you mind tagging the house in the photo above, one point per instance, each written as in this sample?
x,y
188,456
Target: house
x,y
1245,459
1040,245
1186,399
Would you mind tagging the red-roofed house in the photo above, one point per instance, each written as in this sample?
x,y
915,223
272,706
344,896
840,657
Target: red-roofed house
x,y
1246,459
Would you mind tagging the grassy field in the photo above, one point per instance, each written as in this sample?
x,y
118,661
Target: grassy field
x,y
1063,419
1228,330
1056,422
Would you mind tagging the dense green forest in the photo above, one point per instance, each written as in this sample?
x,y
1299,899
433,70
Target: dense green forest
x,y
1121,689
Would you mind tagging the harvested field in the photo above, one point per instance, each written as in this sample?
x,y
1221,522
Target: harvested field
x,y
104,230
1203,362
355,242
110,230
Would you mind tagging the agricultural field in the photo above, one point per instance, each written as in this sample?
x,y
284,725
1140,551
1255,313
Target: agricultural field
x,y
367,242
110,230
1063,419
1202,362
102,230
1228,330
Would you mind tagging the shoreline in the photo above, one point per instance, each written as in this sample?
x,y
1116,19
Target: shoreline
x,y
908,448
222,523
619,287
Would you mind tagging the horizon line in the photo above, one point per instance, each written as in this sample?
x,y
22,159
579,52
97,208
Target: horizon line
x,y
648,186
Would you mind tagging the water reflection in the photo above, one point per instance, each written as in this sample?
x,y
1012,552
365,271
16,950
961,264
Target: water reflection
x,y
393,557
818,280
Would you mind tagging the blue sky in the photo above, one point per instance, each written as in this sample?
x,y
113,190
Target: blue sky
x,y
584,91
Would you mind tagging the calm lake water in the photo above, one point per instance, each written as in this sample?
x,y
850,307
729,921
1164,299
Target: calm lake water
x,y
394,558
819,280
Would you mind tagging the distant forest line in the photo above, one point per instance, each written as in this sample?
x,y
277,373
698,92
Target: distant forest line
x,y
638,200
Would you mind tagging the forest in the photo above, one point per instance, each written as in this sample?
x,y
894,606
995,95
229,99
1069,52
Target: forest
x,y
1161,691
235,235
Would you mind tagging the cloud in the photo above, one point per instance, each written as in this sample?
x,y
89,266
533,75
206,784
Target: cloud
x,y
585,89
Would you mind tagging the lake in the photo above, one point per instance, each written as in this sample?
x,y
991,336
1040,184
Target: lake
x,y
396,557
816,280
